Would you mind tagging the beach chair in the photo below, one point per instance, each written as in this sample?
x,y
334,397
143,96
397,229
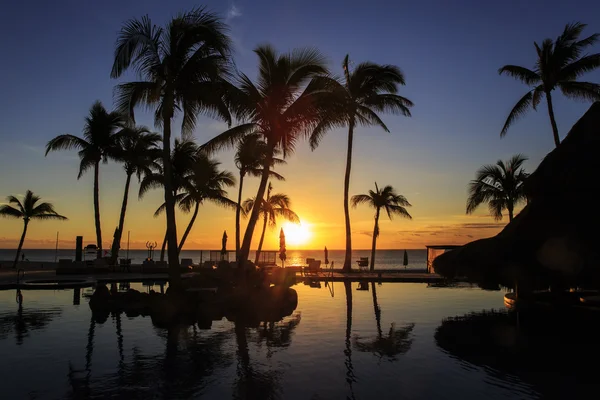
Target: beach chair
x,y
363,263
313,266
187,263
125,264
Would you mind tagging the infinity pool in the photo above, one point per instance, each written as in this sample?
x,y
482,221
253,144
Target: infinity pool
x,y
356,341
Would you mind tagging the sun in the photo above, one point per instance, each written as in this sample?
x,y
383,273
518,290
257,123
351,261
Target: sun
x,y
296,234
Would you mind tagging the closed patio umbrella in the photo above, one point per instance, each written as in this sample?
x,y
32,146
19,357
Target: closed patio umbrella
x,y
282,255
326,256
405,263
224,245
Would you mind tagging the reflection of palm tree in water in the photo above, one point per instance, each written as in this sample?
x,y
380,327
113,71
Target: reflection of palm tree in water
x,y
25,321
397,341
350,377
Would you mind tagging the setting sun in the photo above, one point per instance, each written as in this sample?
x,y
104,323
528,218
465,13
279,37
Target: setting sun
x,y
297,234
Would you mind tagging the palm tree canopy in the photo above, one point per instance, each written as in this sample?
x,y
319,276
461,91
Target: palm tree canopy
x,y
99,140
29,208
205,182
281,106
138,150
185,61
498,185
366,90
559,64
274,206
386,198
183,158
249,157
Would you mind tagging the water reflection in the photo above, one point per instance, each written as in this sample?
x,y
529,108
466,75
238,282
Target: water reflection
x,y
397,341
191,357
24,321
543,349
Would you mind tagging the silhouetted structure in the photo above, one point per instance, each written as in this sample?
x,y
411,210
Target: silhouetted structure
x,y
554,240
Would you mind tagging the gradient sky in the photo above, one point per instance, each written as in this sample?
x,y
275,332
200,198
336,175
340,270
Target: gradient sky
x,y
57,57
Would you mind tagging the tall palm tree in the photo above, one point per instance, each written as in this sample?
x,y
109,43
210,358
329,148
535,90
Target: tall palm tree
x,y
500,185
249,155
181,68
27,209
282,107
390,201
182,160
97,144
367,90
137,150
204,182
275,205
559,64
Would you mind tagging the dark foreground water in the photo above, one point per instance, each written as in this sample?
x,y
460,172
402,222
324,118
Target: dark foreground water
x,y
392,341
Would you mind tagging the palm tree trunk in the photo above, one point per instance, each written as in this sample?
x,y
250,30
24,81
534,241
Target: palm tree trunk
x,y
163,248
245,249
376,309
262,238
97,210
237,216
348,350
117,240
25,223
552,120
173,256
189,227
374,244
510,212
348,257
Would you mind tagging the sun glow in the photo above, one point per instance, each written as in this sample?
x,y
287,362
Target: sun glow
x,y
297,234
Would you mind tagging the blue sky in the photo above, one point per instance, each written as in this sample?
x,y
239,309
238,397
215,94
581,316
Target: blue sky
x,y
57,58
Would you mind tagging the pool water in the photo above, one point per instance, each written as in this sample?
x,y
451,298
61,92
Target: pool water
x,y
386,341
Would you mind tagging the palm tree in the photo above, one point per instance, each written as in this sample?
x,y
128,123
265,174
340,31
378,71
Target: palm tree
x,y
28,210
181,68
203,183
366,90
137,150
249,155
97,144
275,205
500,185
559,63
390,201
282,107
182,160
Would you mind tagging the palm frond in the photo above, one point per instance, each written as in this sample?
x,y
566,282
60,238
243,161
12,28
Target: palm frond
x,y
129,95
228,138
580,90
393,209
10,212
518,110
66,142
361,199
523,74
287,214
579,67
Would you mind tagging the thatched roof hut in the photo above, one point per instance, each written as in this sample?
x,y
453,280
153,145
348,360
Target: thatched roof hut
x,y
555,239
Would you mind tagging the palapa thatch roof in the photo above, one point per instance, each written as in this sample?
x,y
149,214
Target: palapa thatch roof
x,y
555,239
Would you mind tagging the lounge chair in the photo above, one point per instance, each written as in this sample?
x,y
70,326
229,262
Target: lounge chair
x,y
363,262
187,263
313,266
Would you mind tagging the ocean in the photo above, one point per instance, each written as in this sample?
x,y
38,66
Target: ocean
x,y
384,259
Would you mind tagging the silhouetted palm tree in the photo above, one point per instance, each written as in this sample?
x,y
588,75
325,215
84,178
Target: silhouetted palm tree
x,y
559,63
366,90
137,150
98,144
390,201
204,182
500,186
183,157
27,210
282,107
181,67
397,341
275,205
249,155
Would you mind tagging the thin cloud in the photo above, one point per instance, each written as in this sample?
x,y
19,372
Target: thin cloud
x,y
233,12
